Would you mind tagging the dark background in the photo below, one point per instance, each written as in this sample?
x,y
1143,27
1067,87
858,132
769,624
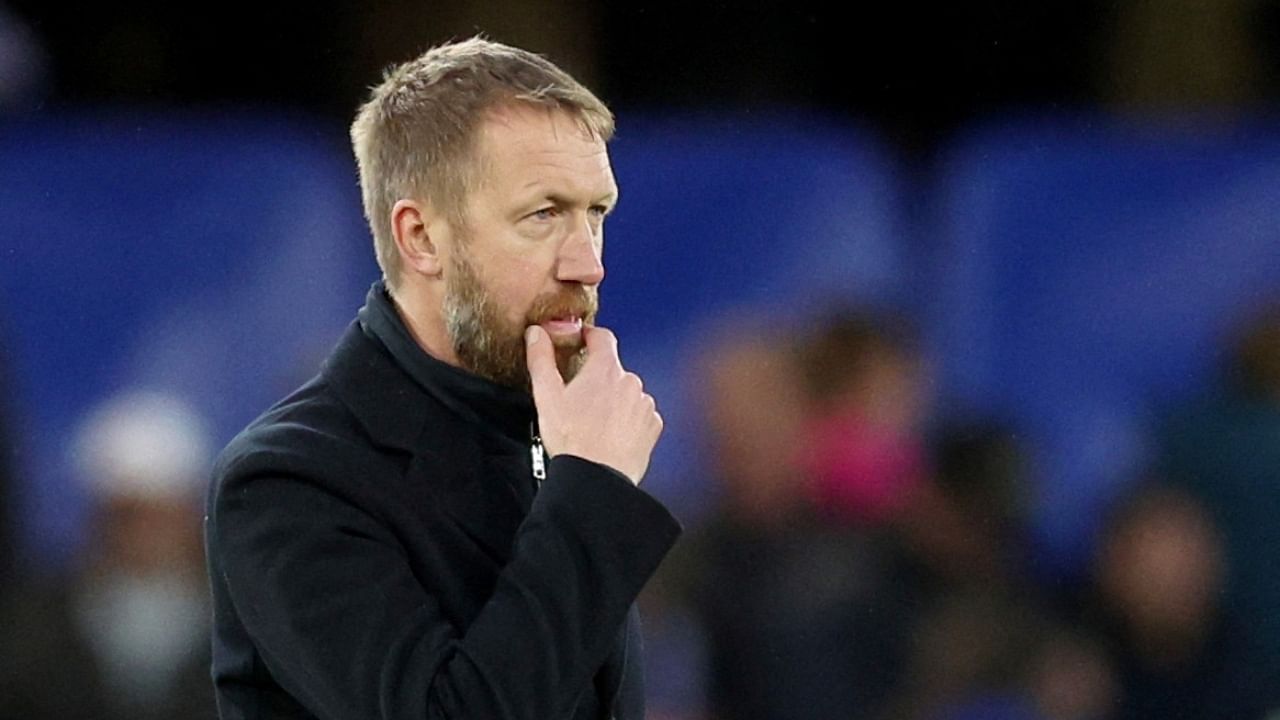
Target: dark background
x,y
915,70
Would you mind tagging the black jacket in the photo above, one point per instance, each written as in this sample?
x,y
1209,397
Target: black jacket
x,y
378,548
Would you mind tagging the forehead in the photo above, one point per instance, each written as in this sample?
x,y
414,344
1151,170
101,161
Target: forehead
x,y
521,146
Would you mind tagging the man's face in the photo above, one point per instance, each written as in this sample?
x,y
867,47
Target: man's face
x,y
530,253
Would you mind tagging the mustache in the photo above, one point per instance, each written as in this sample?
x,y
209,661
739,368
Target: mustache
x,y
578,301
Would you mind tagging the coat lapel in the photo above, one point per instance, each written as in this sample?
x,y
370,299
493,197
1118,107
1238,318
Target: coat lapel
x,y
398,413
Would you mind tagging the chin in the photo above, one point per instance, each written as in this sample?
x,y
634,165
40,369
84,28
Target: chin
x,y
569,360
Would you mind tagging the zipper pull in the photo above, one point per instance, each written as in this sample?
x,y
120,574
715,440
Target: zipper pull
x,y
537,456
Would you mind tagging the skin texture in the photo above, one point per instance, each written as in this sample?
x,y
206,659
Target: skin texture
x,y
529,254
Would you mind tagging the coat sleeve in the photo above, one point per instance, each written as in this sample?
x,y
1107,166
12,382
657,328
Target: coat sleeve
x,y
341,623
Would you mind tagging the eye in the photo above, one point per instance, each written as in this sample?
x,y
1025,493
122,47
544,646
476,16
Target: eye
x,y
598,210
547,213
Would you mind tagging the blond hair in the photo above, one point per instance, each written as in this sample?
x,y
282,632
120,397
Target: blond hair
x,y
416,135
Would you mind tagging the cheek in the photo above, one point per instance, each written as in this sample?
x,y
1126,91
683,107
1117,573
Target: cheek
x,y
517,286
514,270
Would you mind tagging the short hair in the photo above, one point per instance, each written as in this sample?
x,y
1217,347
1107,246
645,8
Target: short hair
x,y
848,341
416,135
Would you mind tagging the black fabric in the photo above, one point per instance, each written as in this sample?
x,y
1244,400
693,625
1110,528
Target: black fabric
x,y
377,550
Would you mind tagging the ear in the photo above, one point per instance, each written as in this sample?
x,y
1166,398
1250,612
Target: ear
x,y
414,228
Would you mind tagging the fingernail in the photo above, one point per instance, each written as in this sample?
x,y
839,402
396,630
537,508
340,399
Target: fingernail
x,y
530,337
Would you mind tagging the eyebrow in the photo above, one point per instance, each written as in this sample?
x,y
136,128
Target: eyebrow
x,y
609,200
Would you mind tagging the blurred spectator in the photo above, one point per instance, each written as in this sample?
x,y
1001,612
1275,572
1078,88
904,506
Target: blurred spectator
x,y
944,516
1071,677
961,581
792,608
1177,650
955,509
969,647
1225,451
1151,640
864,451
969,526
127,636
754,408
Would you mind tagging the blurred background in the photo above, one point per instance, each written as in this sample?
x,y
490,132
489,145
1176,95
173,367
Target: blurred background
x,y
964,317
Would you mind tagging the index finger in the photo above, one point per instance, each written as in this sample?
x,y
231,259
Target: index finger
x,y
540,357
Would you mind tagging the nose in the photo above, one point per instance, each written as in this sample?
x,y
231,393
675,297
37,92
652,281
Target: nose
x,y
580,259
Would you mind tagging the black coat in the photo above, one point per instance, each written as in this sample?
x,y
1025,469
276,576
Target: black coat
x,y
378,548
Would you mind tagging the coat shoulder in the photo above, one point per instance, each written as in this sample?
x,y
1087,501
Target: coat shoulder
x,y
310,433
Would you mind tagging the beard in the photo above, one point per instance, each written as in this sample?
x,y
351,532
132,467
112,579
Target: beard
x,y
490,345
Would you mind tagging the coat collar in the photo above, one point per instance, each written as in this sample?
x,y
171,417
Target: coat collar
x,y
477,400
387,404
444,417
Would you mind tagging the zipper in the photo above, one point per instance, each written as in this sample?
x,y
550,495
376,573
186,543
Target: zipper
x,y
537,456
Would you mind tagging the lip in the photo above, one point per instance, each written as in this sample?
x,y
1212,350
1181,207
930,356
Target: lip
x,y
566,326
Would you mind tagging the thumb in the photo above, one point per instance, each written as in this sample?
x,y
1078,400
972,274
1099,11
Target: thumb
x,y
540,355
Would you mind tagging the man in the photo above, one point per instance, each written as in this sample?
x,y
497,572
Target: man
x,y
124,633
446,522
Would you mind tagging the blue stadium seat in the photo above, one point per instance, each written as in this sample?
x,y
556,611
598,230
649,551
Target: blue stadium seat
x,y
213,255
1085,273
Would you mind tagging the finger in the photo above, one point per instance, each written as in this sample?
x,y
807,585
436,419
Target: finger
x,y
600,341
541,358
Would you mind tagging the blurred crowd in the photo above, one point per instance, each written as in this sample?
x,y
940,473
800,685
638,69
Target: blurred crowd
x,y
866,558
869,559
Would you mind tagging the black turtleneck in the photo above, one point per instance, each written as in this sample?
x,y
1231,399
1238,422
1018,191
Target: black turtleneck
x,y
476,399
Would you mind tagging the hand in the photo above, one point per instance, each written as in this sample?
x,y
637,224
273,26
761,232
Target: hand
x,y
603,414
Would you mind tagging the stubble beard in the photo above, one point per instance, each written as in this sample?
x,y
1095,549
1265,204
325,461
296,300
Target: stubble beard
x,y
489,345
